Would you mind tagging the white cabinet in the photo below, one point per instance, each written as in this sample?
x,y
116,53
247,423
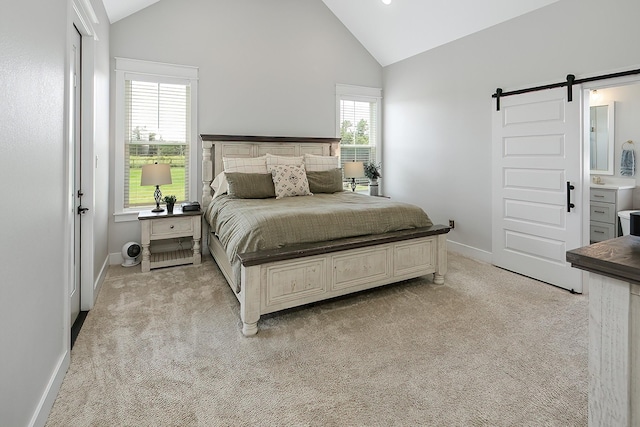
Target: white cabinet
x,y
160,226
614,347
605,204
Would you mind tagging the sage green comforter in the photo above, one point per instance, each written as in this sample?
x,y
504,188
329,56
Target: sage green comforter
x,y
249,225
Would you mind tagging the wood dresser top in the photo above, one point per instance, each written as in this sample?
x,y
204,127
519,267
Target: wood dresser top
x,y
617,258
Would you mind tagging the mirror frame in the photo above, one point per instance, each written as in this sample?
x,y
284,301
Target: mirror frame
x,y
611,131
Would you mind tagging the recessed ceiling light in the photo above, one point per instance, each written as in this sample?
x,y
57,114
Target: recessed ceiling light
x,y
386,1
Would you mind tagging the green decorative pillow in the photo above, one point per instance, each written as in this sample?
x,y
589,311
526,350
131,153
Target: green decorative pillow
x,y
250,185
328,181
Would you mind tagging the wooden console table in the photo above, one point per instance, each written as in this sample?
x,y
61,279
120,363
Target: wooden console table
x,y
614,329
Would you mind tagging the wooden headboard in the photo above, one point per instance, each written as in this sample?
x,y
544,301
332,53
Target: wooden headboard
x,y
215,147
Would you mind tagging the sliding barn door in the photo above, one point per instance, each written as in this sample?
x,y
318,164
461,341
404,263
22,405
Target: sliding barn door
x,y
536,174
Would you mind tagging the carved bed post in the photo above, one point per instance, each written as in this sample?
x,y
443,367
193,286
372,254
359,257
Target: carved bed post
x,y
207,177
441,260
207,172
250,299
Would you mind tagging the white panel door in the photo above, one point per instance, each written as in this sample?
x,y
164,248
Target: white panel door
x,y
74,133
537,150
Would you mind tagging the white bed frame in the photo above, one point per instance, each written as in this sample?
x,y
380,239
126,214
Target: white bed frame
x,y
275,280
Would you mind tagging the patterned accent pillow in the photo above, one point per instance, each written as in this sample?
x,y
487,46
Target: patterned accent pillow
x,y
289,181
245,164
314,163
273,160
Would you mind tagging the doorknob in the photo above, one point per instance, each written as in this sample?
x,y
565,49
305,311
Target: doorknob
x,y
569,204
82,210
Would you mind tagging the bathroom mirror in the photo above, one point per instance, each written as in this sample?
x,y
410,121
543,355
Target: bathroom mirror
x,y
601,131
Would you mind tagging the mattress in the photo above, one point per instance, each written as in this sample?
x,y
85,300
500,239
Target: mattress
x,y
250,225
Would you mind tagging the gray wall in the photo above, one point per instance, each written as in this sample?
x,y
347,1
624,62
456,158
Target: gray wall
x,y
100,164
627,124
35,238
32,64
266,67
437,105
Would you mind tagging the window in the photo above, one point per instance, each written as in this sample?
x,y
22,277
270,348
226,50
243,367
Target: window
x,y
155,122
358,124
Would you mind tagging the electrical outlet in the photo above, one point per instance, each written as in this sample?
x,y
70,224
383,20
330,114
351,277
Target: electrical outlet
x,y
452,224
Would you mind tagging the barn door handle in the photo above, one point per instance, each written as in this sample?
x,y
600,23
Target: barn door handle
x,y
569,204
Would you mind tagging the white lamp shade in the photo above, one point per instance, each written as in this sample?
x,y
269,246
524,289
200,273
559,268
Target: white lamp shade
x,y
354,170
156,174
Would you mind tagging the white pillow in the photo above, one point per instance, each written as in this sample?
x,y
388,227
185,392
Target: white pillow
x,y
273,160
219,185
314,163
245,164
289,181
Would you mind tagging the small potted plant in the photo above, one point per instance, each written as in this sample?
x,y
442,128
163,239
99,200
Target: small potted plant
x,y
170,201
372,171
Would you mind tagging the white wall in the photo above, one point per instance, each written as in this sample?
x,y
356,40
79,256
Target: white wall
x,y
266,67
98,162
36,249
627,123
32,288
437,105
627,126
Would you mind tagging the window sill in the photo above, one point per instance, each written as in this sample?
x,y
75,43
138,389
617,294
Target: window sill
x,y
127,216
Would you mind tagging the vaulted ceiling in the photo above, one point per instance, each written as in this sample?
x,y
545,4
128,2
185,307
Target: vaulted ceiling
x,y
402,28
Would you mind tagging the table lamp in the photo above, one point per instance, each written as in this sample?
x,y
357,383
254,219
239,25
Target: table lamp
x,y
156,174
353,170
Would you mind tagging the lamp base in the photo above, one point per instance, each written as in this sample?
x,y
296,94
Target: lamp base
x,y
353,184
158,208
158,196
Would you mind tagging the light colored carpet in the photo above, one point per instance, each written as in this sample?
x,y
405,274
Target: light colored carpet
x,y
489,348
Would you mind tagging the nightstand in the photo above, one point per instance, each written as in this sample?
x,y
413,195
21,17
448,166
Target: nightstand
x,y
160,226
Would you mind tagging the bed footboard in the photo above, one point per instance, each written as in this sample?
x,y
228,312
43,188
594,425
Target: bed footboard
x,y
279,279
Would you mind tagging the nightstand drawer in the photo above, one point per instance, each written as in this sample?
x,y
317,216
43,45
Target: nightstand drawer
x,y
171,226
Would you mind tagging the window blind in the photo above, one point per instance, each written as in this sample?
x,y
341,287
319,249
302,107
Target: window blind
x,y
157,129
358,131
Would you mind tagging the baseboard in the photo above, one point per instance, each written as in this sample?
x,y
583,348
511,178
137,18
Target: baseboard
x,y
115,258
43,409
103,274
470,251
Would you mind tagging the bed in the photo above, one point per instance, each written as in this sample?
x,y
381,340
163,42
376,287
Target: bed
x,y
317,265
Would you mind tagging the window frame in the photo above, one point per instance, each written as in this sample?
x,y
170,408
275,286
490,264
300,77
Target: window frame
x,y
135,69
362,94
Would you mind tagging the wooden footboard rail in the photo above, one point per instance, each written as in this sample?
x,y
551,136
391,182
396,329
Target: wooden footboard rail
x,y
274,280
309,249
